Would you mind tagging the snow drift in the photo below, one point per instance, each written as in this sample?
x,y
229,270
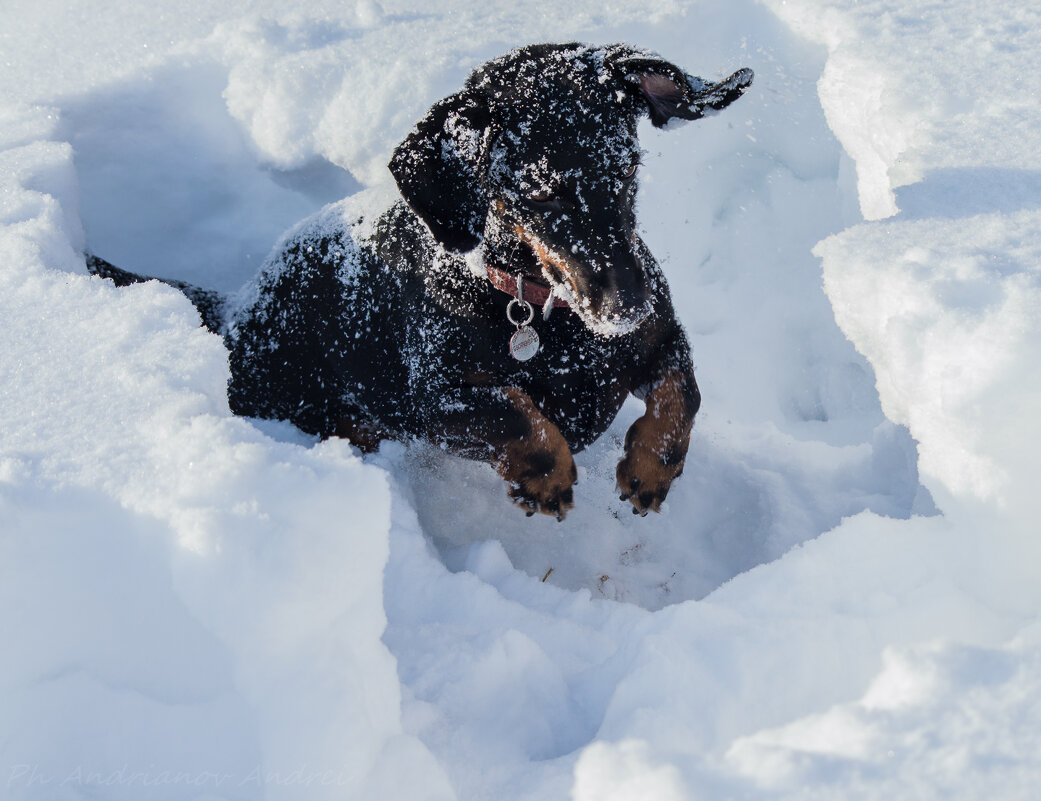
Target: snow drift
x,y
838,599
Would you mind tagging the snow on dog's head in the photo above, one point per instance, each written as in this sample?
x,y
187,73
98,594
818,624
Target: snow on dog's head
x,y
536,159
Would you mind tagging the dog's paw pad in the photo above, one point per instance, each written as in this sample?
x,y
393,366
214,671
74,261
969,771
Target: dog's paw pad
x,y
541,482
644,479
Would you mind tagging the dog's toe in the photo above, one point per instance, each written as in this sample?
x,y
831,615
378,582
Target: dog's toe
x,y
647,494
541,475
551,500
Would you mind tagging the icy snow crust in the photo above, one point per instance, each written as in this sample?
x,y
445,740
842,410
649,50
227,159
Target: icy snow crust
x,y
197,606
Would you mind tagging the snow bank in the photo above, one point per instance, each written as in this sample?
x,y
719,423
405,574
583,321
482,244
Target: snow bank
x,y
947,311
913,88
942,298
347,85
939,721
209,607
186,602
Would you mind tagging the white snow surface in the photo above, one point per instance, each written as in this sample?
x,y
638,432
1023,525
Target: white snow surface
x,y
840,598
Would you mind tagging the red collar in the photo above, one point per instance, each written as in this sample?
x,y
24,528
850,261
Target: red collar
x,y
535,292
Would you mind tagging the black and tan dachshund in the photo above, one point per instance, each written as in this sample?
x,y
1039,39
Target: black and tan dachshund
x,y
505,306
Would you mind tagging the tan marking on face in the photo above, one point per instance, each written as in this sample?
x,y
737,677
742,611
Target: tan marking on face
x,y
552,263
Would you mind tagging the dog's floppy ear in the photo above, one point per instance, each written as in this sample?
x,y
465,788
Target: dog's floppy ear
x,y
670,92
439,168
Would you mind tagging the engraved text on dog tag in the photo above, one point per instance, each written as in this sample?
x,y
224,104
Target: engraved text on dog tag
x,y
524,344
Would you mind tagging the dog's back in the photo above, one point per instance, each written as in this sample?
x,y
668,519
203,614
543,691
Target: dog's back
x,y
314,339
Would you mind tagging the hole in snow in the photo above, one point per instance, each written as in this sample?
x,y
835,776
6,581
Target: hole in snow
x,y
791,437
169,186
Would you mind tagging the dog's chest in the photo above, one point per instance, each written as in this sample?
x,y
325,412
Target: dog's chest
x,y
578,381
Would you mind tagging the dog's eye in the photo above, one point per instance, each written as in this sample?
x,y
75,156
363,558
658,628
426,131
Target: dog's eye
x,y
542,196
631,170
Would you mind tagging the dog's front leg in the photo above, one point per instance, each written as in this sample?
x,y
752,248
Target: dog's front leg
x,y
525,447
656,443
538,464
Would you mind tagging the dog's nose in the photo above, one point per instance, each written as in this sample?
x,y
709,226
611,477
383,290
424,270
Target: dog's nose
x,y
626,292
625,302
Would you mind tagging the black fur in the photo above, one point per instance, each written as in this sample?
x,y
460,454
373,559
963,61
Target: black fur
x,y
383,325
211,305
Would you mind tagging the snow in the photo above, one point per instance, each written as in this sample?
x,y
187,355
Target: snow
x,y
839,598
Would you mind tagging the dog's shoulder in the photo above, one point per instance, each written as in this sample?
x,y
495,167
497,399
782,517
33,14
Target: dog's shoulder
x,y
445,281
331,247
341,233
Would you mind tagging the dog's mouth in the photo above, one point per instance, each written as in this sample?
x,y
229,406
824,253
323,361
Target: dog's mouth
x,y
560,276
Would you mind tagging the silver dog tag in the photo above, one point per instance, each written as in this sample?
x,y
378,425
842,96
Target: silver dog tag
x,y
524,344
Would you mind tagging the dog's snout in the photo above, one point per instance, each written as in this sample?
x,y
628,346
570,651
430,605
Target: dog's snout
x,y
626,292
624,301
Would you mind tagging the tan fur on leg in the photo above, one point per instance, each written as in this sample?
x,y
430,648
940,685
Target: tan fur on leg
x,y
538,466
656,444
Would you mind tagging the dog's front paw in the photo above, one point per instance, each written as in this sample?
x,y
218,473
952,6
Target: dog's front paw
x,y
540,474
650,465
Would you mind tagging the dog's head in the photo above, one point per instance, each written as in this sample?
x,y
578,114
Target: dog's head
x,y
539,149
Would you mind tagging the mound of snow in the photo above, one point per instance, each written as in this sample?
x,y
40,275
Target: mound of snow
x,y
200,606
